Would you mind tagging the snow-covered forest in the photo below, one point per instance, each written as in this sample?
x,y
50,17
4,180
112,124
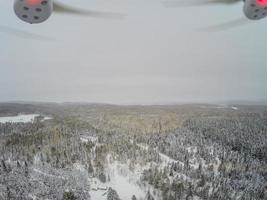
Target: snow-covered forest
x,y
105,152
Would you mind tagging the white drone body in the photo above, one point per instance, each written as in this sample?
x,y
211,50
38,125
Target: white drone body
x,y
255,9
33,11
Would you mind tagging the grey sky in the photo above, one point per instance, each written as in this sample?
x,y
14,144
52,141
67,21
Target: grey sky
x,y
154,55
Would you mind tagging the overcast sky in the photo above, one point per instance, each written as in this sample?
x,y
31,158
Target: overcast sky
x,y
154,55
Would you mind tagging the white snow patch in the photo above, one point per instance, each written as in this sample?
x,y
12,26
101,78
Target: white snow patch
x,y
21,118
46,118
216,166
32,196
98,195
234,108
221,106
122,180
143,146
192,149
87,138
79,167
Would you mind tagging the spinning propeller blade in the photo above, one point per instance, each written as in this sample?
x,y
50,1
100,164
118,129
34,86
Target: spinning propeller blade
x,y
186,3
227,25
65,9
220,27
22,34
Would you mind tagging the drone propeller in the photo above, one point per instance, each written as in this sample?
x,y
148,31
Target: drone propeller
x,y
22,34
214,28
199,3
227,25
64,9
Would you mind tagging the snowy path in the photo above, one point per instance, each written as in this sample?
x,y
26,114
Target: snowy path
x,y
46,174
164,158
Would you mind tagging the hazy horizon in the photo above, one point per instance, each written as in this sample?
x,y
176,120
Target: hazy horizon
x,y
262,102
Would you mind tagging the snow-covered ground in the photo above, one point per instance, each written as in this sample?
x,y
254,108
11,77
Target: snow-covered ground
x,y
124,181
87,138
234,108
121,179
46,118
21,118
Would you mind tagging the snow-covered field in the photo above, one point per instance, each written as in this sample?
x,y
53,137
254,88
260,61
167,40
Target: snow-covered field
x,y
121,179
124,181
21,118
234,108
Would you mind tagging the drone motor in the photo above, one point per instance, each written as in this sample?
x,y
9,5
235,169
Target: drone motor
x,y
33,11
255,9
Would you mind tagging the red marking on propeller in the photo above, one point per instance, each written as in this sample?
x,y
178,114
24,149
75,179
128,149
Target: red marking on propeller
x,y
261,2
33,2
